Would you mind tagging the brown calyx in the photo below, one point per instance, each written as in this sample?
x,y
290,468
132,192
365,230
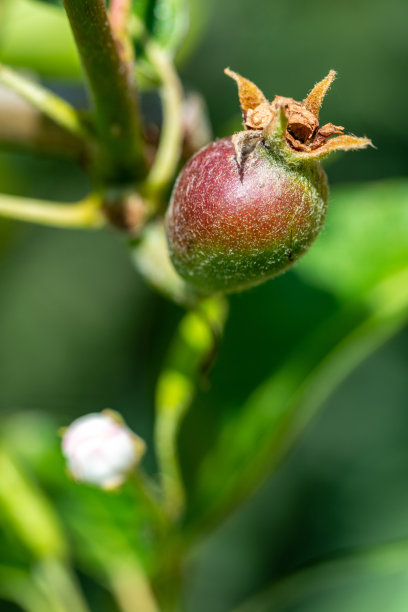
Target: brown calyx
x,y
303,133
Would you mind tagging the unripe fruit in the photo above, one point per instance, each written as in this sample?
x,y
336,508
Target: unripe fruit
x,y
245,208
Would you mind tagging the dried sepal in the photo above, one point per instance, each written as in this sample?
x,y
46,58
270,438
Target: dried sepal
x,y
250,96
258,118
295,124
314,100
345,142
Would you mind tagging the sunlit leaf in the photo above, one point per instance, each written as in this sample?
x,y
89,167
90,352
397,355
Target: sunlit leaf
x,y
274,415
165,20
17,585
364,241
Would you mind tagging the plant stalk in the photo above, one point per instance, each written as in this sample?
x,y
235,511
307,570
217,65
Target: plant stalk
x,y
192,351
85,214
113,90
168,153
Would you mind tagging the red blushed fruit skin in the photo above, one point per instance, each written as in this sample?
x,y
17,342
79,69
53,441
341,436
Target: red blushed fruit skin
x,y
232,227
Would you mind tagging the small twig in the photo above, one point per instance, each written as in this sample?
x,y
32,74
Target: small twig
x,y
45,101
168,154
171,92
83,214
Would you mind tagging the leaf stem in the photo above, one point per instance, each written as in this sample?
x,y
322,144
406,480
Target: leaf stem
x,y
114,92
45,101
83,214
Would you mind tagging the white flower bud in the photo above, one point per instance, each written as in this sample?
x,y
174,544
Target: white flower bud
x,y
101,450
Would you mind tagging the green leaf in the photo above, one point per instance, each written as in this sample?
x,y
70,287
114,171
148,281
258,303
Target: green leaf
x,y
374,580
27,511
165,20
374,305
364,241
37,36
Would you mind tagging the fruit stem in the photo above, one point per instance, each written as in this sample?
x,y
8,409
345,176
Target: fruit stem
x,y
54,107
83,214
114,93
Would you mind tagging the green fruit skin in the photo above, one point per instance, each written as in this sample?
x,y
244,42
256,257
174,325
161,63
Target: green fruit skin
x,y
231,227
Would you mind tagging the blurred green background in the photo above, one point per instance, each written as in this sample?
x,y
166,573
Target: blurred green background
x,y
80,331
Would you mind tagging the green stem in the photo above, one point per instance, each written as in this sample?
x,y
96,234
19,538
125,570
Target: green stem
x,y
17,585
130,587
23,127
31,517
194,344
28,512
56,581
113,90
144,490
45,101
84,214
168,153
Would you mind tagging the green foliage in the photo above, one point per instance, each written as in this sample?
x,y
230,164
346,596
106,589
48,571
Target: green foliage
x,y
364,242
279,409
80,332
374,579
166,21
37,36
